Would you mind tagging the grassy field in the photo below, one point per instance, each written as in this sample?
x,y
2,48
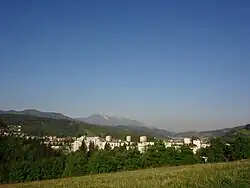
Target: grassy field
x,y
231,174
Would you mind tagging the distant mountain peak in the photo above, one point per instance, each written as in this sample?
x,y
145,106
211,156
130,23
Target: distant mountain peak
x,y
31,110
104,119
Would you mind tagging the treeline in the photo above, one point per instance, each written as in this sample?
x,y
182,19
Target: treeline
x,y
222,149
30,160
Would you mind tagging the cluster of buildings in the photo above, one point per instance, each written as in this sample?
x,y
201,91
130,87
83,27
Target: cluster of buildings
x,y
100,143
12,130
194,143
72,144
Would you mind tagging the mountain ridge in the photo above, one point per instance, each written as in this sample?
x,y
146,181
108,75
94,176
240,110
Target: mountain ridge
x,y
212,133
37,113
38,126
102,119
124,123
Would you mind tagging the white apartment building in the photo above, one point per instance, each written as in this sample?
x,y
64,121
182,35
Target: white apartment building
x,y
142,145
187,141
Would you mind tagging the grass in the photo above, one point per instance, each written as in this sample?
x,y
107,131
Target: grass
x,y
231,174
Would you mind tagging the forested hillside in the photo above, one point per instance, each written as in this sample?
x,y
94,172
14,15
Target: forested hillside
x,y
245,130
37,113
39,126
215,133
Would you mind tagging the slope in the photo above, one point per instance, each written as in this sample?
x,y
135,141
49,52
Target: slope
x,y
212,133
230,174
34,112
244,130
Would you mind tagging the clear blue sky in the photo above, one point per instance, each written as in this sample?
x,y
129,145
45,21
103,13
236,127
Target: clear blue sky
x,y
178,65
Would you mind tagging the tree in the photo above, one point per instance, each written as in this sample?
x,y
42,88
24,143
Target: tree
x,y
2,124
186,156
76,164
92,148
123,148
201,154
247,127
107,147
132,159
26,160
83,147
19,172
79,135
151,156
102,161
217,150
240,147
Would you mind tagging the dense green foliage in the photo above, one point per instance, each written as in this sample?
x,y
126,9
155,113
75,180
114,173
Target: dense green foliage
x,y
227,149
28,160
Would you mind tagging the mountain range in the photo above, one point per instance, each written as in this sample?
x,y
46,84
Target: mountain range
x,y
34,112
118,124
102,119
96,119
124,123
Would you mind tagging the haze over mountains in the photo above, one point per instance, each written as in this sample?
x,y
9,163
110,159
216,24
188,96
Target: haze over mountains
x,y
102,119
52,123
97,119
123,123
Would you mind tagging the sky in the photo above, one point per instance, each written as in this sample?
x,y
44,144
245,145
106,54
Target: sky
x,y
179,65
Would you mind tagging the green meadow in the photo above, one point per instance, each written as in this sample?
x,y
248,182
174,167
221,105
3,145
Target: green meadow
x,y
230,174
